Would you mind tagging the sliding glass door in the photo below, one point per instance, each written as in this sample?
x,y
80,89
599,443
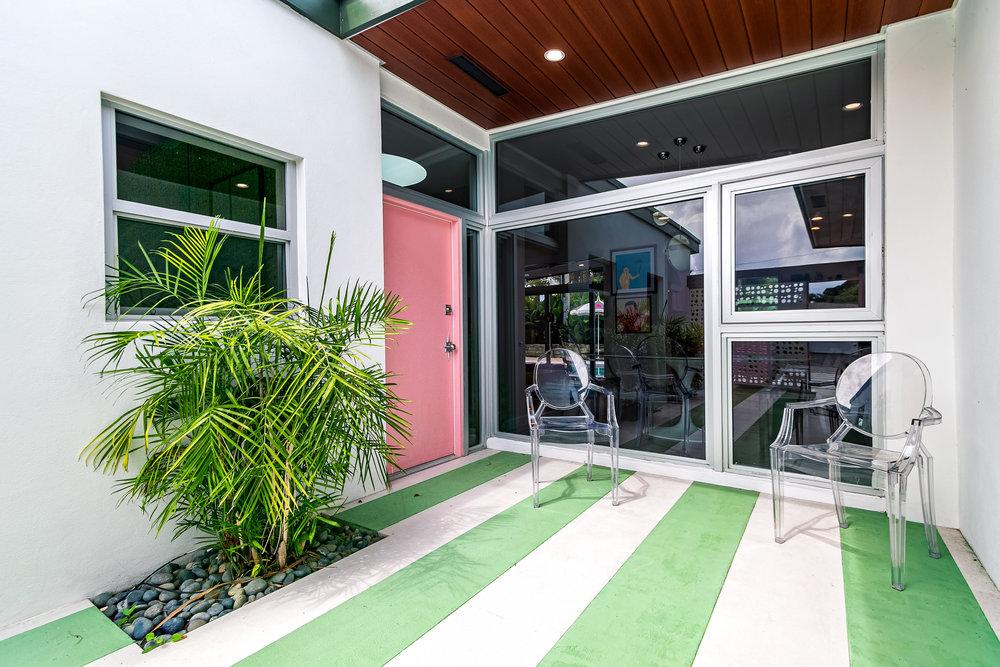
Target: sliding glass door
x,y
626,291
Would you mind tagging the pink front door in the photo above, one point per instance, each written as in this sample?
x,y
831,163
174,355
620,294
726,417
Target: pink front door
x,y
423,265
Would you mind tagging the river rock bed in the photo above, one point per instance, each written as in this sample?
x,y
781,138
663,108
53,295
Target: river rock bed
x,y
207,588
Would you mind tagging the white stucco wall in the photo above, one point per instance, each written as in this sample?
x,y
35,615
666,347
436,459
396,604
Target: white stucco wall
x,y
250,68
977,247
919,228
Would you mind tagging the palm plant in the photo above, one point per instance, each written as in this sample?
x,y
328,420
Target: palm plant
x,y
253,408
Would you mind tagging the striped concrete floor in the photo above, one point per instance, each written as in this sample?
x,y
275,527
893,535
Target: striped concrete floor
x,y
678,574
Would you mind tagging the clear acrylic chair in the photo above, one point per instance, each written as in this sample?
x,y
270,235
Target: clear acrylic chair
x,y
664,376
883,396
563,383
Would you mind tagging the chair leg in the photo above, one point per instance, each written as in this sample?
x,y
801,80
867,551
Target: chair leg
x,y
614,467
925,470
590,456
777,492
535,446
838,494
896,505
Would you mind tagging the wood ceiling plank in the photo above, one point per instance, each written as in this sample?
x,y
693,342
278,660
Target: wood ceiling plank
x,y
581,43
482,116
899,10
470,43
829,20
794,26
700,35
436,67
637,40
864,17
931,6
602,83
731,32
497,32
761,19
524,39
664,25
597,22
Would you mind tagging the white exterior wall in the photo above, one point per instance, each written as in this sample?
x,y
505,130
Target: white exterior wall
x,y
250,68
977,246
919,229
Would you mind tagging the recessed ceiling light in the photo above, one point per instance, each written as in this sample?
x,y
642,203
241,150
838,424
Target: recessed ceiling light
x,y
242,186
581,265
852,106
815,228
554,55
680,141
848,215
449,190
816,218
642,143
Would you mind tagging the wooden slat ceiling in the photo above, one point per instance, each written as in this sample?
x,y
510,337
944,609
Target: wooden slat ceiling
x,y
614,47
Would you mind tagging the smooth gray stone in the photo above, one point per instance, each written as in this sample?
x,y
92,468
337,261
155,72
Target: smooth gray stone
x,y
167,596
102,600
150,595
133,597
255,586
190,586
199,606
160,578
141,627
196,623
173,625
153,610
215,609
239,600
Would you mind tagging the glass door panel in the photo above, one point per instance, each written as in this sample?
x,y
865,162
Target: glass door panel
x,y
624,290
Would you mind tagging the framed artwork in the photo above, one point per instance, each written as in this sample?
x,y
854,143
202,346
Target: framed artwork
x,y
633,269
632,315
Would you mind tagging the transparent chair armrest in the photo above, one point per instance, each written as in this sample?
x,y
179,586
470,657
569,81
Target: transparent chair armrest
x,y
929,416
788,418
610,396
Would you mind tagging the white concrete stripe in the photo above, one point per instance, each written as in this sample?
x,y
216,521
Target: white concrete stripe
x,y
520,616
238,635
41,619
782,604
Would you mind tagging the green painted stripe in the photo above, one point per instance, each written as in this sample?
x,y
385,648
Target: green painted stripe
x,y
934,621
655,610
375,625
393,507
75,639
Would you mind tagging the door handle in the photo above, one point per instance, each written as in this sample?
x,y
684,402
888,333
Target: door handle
x,y
449,347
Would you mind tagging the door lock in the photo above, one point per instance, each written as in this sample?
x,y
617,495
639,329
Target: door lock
x,y
449,347
447,309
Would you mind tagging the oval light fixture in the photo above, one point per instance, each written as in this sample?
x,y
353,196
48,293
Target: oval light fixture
x,y
816,218
401,171
642,143
852,106
242,186
554,55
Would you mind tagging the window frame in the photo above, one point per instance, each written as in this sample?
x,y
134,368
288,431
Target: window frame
x,y
115,208
873,336
871,168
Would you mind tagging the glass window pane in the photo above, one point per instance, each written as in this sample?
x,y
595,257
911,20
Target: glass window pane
x,y
625,290
451,171
767,376
802,246
472,400
237,254
804,112
161,166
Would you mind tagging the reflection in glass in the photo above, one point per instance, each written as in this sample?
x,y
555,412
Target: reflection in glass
x,y
450,170
238,255
768,375
164,167
625,291
802,246
472,417
763,120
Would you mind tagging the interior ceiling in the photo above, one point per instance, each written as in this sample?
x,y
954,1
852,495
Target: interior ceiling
x,y
614,48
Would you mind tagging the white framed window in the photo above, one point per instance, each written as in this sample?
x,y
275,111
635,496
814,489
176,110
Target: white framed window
x,y
764,371
161,175
804,246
